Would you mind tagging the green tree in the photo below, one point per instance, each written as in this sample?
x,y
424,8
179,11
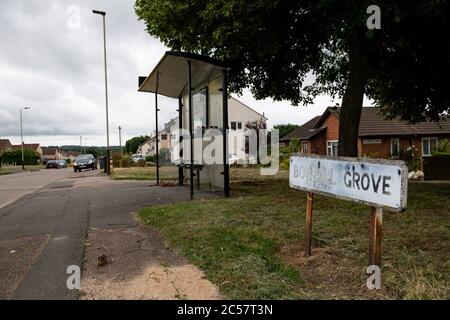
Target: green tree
x,y
132,145
294,146
285,129
30,157
296,50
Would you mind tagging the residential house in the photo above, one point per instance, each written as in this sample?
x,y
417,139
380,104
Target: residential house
x,y
378,137
30,146
5,146
148,148
69,155
239,117
51,153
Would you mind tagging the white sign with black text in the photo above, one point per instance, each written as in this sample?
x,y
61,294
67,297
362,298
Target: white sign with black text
x,y
375,182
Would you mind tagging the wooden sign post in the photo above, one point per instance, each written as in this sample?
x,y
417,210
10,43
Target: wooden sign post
x,y
375,182
376,220
309,218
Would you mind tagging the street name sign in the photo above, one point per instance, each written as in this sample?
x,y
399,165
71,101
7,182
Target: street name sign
x,y
375,182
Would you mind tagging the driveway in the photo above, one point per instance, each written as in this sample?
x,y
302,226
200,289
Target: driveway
x,y
45,231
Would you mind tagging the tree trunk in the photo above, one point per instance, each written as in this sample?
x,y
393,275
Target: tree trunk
x,y
350,112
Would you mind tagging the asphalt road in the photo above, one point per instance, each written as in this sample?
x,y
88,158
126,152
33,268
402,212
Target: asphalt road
x,y
44,231
14,186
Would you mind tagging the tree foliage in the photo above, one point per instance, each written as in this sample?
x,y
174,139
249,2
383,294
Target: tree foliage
x,y
285,129
296,50
31,157
133,144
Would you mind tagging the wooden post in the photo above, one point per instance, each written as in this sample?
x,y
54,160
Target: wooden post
x,y
309,217
376,220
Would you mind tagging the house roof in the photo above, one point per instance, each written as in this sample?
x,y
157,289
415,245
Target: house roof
x,y
306,131
46,151
170,76
5,143
373,124
31,146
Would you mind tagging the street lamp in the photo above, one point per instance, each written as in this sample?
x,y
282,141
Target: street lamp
x,y
108,169
120,139
21,135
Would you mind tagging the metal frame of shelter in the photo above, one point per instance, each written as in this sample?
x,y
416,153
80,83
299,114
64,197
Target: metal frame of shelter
x,y
178,75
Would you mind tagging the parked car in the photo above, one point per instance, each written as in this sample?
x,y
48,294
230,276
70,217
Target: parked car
x,y
85,161
51,164
62,163
57,164
137,157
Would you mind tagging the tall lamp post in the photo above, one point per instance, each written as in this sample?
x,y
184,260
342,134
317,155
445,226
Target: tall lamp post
x,y
21,136
108,154
120,140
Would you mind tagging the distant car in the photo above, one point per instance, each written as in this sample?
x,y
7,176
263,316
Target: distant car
x,y
137,157
62,163
85,161
57,164
51,164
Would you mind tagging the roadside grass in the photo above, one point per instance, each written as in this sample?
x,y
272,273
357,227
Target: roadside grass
x,y
15,169
251,245
144,173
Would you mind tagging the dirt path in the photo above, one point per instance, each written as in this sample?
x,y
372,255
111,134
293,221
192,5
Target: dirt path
x,y
135,263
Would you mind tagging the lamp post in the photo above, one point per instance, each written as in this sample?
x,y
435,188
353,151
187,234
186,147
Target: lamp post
x,y
120,139
21,135
108,155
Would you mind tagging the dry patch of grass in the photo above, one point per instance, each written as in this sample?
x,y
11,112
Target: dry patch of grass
x,y
145,173
250,245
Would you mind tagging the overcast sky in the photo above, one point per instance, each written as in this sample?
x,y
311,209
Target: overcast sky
x,y
52,61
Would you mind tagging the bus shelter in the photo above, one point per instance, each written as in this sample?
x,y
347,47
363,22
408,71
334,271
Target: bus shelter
x,y
199,83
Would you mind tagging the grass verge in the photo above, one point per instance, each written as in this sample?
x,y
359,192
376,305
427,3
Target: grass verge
x,y
16,169
250,245
144,173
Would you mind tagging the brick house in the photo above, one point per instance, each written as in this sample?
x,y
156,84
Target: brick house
x,y
378,137
50,153
5,146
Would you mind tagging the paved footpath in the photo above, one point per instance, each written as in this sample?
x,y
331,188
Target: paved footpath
x,y
44,231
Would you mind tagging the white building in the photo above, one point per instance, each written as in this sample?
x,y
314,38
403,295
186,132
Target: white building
x,y
240,116
148,148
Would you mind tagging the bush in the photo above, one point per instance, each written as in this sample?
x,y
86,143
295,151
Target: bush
x,y
284,165
294,146
117,159
31,157
150,158
141,163
126,161
442,148
411,156
285,151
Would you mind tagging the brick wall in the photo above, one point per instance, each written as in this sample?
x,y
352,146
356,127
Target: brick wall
x,y
332,124
375,150
318,144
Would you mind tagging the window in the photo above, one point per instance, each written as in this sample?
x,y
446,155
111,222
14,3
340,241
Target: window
x,y
305,147
395,147
428,144
332,148
164,137
236,125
